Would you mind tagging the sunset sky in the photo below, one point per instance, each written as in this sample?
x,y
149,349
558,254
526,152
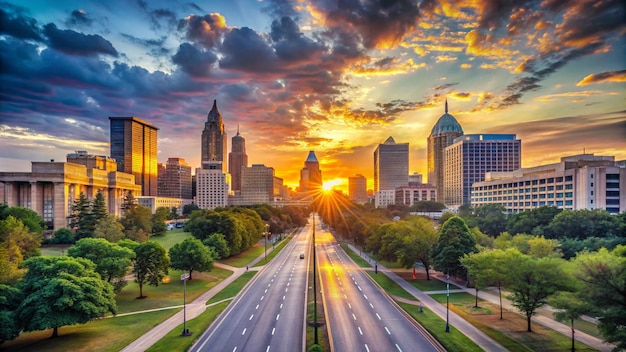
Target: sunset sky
x,y
334,76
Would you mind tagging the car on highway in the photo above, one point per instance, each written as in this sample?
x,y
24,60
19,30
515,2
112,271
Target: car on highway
x,y
301,255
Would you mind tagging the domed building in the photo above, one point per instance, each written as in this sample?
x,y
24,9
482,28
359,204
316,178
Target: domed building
x,y
442,135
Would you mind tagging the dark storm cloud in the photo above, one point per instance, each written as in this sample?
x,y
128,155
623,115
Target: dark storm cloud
x,y
290,43
206,30
239,92
494,13
194,62
13,22
245,50
280,8
376,23
75,43
78,18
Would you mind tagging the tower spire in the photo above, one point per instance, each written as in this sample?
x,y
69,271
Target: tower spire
x,y
237,129
446,105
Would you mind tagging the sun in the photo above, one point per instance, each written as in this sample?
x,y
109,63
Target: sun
x,y
329,185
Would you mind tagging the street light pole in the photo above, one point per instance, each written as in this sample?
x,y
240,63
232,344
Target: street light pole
x,y
314,286
447,301
265,235
185,277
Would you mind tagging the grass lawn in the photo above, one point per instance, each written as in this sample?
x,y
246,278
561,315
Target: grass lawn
x,y
54,250
111,334
453,341
231,290
168,294
244,258
278,246
357,259
430,285
173,341
170,238
390,286
391,265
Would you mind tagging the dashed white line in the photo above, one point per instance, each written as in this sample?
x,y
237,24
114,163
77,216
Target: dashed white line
x,y
262,297
235,349
353,316
267,349
388,332
349,306
360,331
281,306
379,318
265,290
244,331
273,330
371,305
365,296
367,348
283,298
257,307
252,316
277,316
398,347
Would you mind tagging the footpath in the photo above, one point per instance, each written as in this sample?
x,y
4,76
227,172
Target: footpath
x,y
481,339
193,309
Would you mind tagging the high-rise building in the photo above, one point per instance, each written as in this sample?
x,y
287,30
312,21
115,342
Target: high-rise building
x,y
214,142
257,184
409,195
212,185
310,175
237,160
176,179
134,147
357,188
415,179
578,182
471,156
442,135
391,165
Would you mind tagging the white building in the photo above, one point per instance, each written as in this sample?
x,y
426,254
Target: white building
x,y
383,198
212,186
155,203
578,182
409,195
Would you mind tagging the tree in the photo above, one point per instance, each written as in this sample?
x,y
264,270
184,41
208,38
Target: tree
x,y
63,236
99,207
569,308
158,221
137,222
151,264
28,217
581,224
82,220
454,241
417,246
533,280
129,202
112,261
219,245
14,231
191,255
490,218
189,208
61,291
173,213
603,278
10,298
109,228
531,221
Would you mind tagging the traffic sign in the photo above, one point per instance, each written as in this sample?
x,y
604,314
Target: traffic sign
x,y
184,276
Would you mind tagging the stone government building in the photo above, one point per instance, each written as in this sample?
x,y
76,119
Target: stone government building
x,y
51,188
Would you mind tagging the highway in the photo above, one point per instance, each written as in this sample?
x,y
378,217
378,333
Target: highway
x,y
359,317
269,314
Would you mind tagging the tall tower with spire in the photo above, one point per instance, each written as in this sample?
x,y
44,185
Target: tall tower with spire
x,y
237,160
311,175
214,142
442,135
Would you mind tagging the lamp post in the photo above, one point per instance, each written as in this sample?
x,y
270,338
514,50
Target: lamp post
x,y
267,226
314,286
447,301
185,277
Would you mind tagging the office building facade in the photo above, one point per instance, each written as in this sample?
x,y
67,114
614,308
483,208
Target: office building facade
x,y
212,186
391,165
214,139
357,189
578,182
134,147
441,136
175,179
409,195
237,160
471,156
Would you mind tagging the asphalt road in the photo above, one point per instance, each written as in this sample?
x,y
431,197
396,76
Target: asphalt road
x,y
358,315
269,315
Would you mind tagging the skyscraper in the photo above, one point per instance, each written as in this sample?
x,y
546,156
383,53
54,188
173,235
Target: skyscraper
x,y
134,147
212,185
214,142
257,185
442,135
237,160
311,175
357,188
391,165
471,156
176,180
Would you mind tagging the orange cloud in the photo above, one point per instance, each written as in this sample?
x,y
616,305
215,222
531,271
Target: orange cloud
x,y
604,77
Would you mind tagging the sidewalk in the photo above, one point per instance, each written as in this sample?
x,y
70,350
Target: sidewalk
x,y
480,338
543,318
193,309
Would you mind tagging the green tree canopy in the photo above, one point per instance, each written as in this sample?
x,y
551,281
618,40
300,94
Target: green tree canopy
x,y
191,255
137,222
158,221
454,241
151,264
416,247
603,278
61,291
13,230
28,217
219,245
10,298
109,228
531,221
112,260
82,219
63,236
581,224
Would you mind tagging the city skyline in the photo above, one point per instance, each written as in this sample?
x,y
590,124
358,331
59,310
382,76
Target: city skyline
x,y
305,76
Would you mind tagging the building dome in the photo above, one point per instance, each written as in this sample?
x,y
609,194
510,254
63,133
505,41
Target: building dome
x,y
446,124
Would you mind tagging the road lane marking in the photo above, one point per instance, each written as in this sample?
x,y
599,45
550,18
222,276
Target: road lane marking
x,y
367,348
273,330
267,349
353,316
379,318
388,332
257,307
252,316
277,316
398,347
349,306
371,305
235,349
283,298
244,331
360,331
281,306
262,297
365,297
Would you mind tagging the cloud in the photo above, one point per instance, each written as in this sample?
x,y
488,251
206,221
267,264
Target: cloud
x,y
78,18
242,44
74,43
206,30
197,63
14,23
291,44
604,77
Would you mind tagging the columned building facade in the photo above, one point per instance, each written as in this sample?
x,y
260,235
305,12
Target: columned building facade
x,y
441,136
